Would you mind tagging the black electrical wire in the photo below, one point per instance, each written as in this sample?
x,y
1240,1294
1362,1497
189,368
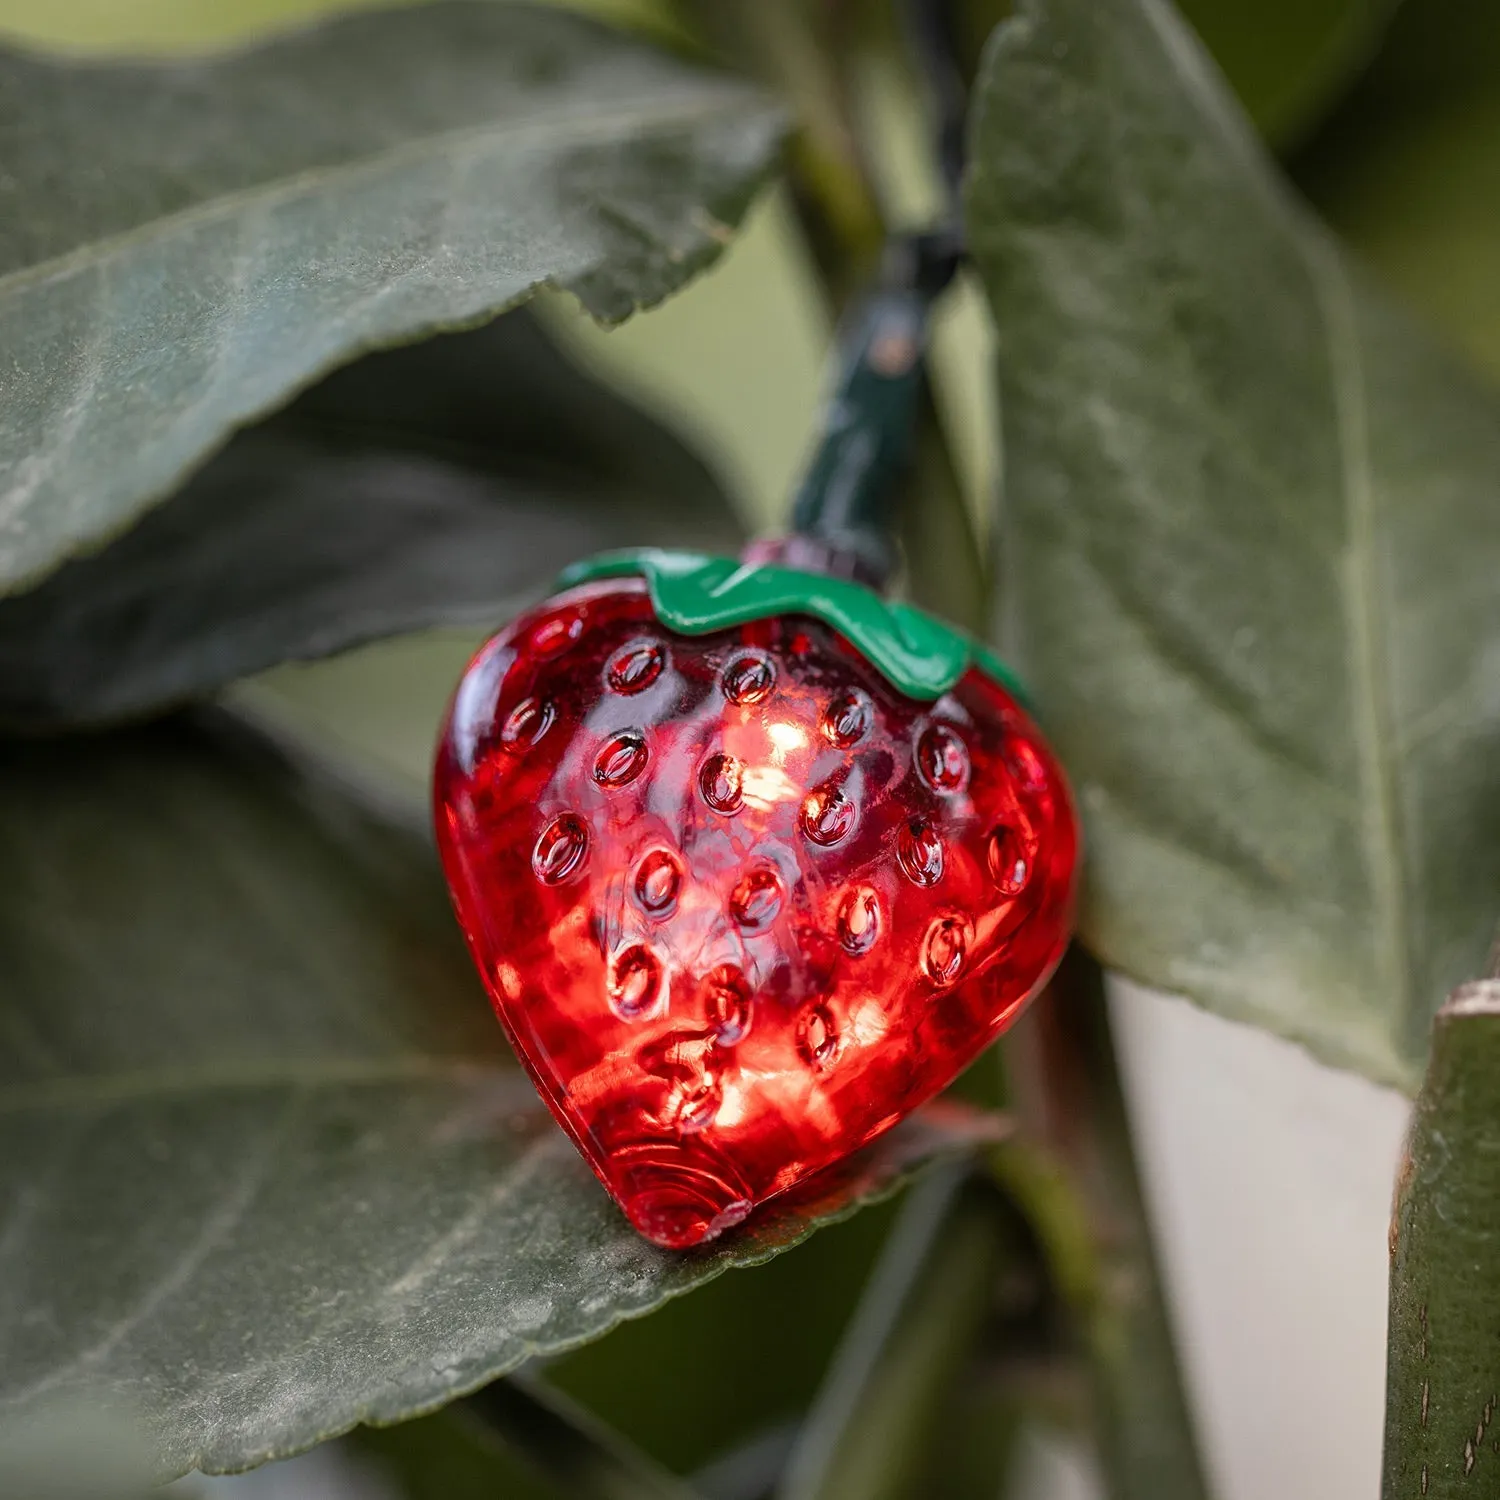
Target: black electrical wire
x,y
932,34
841,516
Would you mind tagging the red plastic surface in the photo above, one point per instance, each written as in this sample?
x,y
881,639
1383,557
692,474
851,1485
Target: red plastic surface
x,y
739,904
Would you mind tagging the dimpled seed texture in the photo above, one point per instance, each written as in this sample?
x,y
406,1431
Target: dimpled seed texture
x,y
740,904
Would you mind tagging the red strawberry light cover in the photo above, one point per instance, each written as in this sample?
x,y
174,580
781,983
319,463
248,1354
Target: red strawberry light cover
x,y
752,864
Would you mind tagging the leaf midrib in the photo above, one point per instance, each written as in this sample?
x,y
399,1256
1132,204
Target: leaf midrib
x,y
101,1090
1384,834
562,128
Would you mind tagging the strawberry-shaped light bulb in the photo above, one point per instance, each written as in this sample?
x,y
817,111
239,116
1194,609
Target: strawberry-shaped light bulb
x,y
741,899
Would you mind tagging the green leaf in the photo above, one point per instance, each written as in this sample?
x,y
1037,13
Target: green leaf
x,y
451,1456
917,653
1249,550
783,1325
1408,170
584,1457
1443,1368
868,1435
182,245
443,483
447,1456
1076,1179
266,1167
1288,61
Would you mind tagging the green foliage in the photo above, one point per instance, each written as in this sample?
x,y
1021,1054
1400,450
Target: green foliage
x,y
1288,61
870,1435
442,483
184,245
571,1447
357,1204
1083,1194
267,1168
1248,550
693,594
1444,1367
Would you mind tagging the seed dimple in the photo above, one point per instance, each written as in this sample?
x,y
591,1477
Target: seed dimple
x,y
827,815
919,848
726,1002
694,1105
621,759
633,668
526,723
942,759
847,719
722,783
945,949
749,678
1025,765
859,921
658,879
561,850
635,982
554,636
756,900
818,1037
1010,866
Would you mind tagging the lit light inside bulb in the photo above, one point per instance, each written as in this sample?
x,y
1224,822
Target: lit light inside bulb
x,y
869,1023
764,786
732,1110
786,737
734,933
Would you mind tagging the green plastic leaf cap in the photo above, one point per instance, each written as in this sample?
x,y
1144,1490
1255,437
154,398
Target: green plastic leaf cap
x,y
918,654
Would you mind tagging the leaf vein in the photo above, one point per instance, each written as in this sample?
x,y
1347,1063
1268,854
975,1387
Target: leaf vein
x,y
104,1090
216,1227
561,128
1374,727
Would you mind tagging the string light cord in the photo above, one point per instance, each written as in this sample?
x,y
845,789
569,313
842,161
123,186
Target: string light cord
x,y
842,514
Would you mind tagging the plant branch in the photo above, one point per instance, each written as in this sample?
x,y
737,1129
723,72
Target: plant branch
x,y
587,1459
1067,1094
799,49
921,1317
1442,1362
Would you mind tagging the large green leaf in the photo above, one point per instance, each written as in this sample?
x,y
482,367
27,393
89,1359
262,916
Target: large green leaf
x,y
443,483
266,1169
1443,1370
1249,550
1288,61
182,245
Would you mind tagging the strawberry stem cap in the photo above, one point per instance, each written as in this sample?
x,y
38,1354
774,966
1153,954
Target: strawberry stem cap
x,y
694,593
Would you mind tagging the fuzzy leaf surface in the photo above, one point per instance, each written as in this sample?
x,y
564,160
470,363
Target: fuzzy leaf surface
x,y
1249,548
267,1168
183,245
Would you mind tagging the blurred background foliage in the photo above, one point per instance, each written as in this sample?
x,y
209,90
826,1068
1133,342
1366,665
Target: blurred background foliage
x,y
1389,121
